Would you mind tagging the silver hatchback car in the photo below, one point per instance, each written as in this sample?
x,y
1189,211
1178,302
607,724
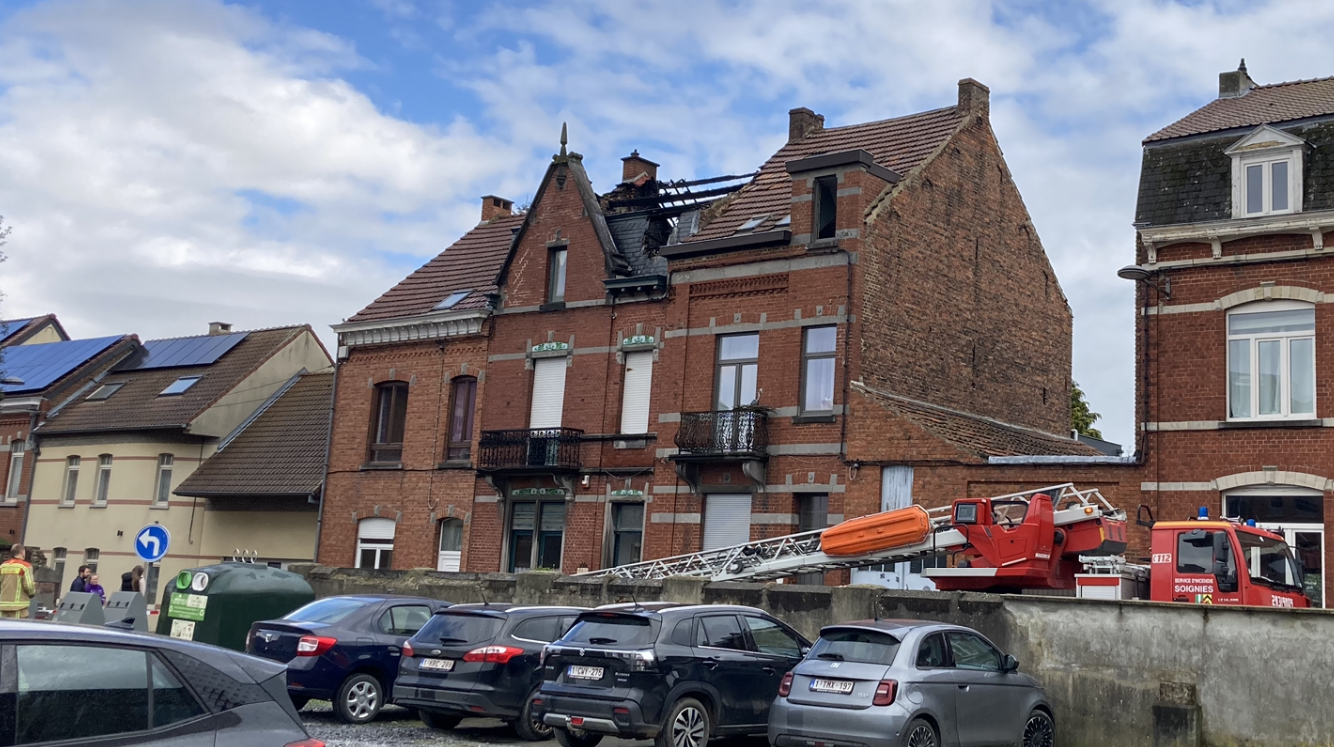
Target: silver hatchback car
x,y
904,683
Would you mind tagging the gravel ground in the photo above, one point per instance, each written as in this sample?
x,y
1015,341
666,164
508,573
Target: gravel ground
x,y
399,726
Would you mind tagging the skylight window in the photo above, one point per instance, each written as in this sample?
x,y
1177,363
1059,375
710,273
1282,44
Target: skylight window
x,y
753,223
452,300
104,391
784,222
180,386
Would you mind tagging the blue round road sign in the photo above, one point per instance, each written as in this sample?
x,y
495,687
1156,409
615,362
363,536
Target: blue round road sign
x,y
151,542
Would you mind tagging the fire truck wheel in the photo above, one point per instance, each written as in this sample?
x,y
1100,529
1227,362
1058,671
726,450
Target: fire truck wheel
x,y
1039,731
920,733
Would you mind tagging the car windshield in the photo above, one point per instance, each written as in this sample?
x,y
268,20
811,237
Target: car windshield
x,y
1270,561
607,630
865,646
459,627
327,611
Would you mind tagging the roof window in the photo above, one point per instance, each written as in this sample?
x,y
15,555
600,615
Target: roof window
x,y
106,390
452,300
784,222
753,223
180,386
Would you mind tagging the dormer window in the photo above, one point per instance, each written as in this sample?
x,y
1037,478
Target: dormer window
x,y
1266,174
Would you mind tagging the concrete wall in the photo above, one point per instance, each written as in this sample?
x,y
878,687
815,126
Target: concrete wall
x,y
1111,669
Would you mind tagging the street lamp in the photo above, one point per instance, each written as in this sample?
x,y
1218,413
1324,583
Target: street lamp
x,y
1141,275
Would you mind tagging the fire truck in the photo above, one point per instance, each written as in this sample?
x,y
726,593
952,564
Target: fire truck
x,y
1054,539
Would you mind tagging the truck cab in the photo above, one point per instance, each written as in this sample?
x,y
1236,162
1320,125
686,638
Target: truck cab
x,y
1224,562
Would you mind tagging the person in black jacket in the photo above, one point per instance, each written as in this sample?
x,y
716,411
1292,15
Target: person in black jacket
x,y
80,582
130,581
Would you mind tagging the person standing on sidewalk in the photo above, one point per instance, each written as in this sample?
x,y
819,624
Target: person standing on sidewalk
x,y
80,582
17,585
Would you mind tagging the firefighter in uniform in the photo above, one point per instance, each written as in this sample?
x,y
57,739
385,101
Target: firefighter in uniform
x,y
17,586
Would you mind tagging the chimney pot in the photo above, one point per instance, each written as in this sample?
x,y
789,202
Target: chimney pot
x,y
1236,83
219,328
496,207
974,98
802,122
633,165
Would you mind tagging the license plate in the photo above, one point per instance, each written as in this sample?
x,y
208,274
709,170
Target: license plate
x,y
439,665
584,673
839,687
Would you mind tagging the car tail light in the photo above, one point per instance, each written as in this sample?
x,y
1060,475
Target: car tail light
x,y
305,743
314,645
492,654
785,687
885,692
407,650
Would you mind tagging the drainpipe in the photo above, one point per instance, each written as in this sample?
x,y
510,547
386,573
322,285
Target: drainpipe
x,y
32,476
324,481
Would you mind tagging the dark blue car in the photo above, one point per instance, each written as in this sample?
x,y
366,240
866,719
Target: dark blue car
x,y
344,649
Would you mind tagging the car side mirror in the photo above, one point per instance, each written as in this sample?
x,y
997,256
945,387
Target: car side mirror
x,y
804,650
1009,664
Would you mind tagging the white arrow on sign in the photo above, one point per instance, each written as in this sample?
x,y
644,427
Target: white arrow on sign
x,y
146,538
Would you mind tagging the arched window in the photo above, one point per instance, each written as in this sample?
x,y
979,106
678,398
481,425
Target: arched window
x,y
1271,361
388,416
451,545
375,543
462,407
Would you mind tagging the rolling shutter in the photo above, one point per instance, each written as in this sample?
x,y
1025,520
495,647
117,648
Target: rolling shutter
x,y
548,393
376,529
726,520
638,387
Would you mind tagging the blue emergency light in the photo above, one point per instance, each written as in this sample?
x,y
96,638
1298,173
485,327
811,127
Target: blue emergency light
x,y
1250,522
1204,513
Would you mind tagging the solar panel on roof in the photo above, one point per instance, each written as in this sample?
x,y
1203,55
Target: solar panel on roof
x,y
187,351
40,366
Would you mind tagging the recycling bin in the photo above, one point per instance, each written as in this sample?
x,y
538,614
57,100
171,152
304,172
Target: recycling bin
x,y
129,608
217,604
80,608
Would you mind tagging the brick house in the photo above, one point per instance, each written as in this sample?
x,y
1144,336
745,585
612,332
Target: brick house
x,y
42,366
673,366
1236,202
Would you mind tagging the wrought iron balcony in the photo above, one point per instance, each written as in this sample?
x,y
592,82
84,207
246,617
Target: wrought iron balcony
x,y
529,449
742,433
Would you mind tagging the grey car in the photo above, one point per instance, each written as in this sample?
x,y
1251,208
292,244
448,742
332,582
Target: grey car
x,y
903,683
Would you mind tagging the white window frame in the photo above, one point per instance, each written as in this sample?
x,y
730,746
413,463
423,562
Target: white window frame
x,y
1266,146
102,488
165,464
14,482
69,488
367,529
1285,370
448,561
91,557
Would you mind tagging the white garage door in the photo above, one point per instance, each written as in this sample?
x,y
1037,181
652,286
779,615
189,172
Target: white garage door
x,y
726,520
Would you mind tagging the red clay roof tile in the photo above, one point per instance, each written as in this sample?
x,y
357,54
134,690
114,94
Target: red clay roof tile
x,y
1279,102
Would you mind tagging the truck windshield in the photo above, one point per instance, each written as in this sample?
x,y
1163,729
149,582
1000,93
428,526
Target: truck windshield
x,y
1270,561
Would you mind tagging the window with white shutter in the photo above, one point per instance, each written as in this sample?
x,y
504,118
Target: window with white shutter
x,y
638,389
726,520
548,393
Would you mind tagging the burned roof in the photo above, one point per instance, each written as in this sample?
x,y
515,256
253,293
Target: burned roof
x,y
469,264
139,404
280,451
979,435
900,144
1278,102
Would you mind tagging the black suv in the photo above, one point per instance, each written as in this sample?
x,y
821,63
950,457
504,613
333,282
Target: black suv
x,y
480,660
674,674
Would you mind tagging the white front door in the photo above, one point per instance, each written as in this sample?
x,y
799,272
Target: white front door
x,y
1308,545
726,520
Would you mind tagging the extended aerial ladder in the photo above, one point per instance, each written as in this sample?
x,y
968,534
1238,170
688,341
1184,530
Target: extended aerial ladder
x,y
1031,539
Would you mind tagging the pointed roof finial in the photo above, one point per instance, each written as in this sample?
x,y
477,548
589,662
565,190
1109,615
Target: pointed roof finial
x,y
1242,66
564,138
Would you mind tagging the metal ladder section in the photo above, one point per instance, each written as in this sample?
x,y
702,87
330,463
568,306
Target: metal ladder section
x,y
795,554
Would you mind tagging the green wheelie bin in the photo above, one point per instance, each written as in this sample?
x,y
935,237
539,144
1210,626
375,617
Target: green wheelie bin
x,y
216,604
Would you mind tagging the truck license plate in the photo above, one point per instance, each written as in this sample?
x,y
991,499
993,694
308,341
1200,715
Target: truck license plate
x,y
576,672
839,687
439,665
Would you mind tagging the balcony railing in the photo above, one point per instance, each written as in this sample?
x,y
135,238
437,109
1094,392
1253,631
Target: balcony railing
x,y
530,449
743,432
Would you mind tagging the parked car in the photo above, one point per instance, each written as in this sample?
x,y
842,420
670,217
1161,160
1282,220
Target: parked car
x,y
344,649
674,674
480,661
886,683
91,686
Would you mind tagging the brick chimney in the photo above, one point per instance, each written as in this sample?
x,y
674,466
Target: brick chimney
x,y
802,122
219,328
496,207
634,165
1236,83
974,98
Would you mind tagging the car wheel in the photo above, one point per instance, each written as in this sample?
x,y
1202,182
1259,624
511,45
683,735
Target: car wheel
x,y
686,725
439,720
299,702
1039,731
576,738
920,733
359,699
529,727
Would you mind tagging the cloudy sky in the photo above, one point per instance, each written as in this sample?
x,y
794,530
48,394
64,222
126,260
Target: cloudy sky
x,y
164,163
